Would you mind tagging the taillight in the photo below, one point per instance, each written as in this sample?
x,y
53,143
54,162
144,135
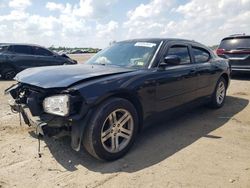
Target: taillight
x,y
220,51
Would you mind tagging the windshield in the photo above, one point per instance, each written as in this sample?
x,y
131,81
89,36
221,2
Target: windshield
x,y
126,54
235,43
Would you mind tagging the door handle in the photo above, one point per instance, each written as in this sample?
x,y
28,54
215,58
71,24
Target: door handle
x,y
150,81
192,71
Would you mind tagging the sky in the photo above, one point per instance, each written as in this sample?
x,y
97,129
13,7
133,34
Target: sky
x,y
95,23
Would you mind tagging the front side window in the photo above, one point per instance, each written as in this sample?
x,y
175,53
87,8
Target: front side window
x,y
134,54
21,49
182,52
41,51
200,55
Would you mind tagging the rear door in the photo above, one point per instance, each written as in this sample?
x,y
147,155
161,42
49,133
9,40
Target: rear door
x,y
45,57
176,84
205,70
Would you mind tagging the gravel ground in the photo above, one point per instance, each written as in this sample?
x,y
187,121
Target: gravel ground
x,y
81,58
203,148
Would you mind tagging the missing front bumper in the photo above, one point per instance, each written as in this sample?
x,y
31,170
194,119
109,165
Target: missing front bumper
x,y
28,118
53,126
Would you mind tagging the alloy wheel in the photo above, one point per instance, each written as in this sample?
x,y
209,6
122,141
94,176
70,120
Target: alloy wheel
x,y
117,130
220,93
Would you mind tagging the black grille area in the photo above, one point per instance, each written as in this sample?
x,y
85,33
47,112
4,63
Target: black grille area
x,y
34,102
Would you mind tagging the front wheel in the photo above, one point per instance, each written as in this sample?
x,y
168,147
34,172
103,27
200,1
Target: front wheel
x,y
9,74
219,95
112,129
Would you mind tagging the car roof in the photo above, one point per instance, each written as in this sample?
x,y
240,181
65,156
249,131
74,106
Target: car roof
x,y
158,39
236,37
20,44
163,39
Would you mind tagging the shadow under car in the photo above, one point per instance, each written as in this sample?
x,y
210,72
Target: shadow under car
x,y
155,143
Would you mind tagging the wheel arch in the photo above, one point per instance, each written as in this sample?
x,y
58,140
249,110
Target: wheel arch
x,y
80,126
131,97
5,66
226,77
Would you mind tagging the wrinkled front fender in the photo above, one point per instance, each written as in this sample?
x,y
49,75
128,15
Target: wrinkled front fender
x,y
77,131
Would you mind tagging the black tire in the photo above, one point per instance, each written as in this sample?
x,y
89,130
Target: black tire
x,y
92,139
9,74
215,102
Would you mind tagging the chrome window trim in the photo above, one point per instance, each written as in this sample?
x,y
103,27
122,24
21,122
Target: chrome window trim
x,y
156,52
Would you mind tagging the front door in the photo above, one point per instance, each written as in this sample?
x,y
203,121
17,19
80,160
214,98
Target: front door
x,y
176,84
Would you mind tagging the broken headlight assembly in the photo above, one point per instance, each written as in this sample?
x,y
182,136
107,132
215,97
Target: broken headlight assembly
x,y
57,105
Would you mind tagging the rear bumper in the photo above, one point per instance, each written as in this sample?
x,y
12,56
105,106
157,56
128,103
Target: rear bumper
x,y
242,65
240,68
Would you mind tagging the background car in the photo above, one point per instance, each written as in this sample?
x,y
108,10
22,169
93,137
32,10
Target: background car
x,y
17,57
105,102
236,48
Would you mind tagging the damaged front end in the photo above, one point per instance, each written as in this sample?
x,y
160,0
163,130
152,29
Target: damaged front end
x,y
53,112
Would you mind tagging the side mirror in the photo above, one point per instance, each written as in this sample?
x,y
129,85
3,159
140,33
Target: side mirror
x,y
171,60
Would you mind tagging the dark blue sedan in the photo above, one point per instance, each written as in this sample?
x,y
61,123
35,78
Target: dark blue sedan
x,y
105,102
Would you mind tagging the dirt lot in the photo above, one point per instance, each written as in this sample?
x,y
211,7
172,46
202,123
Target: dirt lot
x,y
81,58
203,148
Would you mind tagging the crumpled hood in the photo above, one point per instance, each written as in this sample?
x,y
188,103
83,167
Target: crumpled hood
x,y
66,75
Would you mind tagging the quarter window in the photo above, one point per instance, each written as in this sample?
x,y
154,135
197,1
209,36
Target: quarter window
x,y
201,55
182,52
42,52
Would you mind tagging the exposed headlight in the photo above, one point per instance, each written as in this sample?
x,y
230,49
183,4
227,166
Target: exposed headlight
x,y
57,104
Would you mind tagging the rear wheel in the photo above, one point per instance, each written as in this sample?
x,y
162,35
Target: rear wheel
x,y
219,95
9,74
111,130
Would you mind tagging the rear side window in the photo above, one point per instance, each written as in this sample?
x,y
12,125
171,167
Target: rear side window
x,y
41,51
235,43
182,52
21,49
200,55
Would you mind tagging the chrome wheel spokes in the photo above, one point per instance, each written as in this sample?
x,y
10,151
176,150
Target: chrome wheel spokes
x,y
117,130
220,93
